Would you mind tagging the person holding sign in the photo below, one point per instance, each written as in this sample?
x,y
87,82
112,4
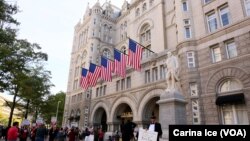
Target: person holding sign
x,y
155,126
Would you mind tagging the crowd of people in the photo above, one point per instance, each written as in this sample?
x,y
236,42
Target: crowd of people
x,y
39,132
129,132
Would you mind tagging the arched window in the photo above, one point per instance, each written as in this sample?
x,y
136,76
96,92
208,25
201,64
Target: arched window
x,y
106,53
230,85
137,13
232,112
145,38
145,33
151,2
84,54
124,50
144,7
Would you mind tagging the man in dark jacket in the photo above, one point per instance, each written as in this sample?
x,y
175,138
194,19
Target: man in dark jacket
x,y
155,126
128,132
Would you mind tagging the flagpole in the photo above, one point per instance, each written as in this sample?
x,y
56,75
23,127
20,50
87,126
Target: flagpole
x,y
141,45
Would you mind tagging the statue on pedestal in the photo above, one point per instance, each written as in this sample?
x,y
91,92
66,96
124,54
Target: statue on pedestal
x,y
172,75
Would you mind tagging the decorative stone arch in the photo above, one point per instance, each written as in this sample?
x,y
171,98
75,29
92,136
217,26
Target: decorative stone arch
x,y
218,76
100,104
120,100
143,23
148,95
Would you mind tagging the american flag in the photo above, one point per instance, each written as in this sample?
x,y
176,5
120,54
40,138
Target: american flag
x,y
84,82
134,54
94,74
120,63
106,69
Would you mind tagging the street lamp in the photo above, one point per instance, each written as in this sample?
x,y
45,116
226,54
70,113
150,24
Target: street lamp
x,y
57,109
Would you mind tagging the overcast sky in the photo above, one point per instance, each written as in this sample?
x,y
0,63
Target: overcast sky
x,y
50,23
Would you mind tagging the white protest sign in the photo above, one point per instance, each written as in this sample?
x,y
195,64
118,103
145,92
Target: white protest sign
x,y
147,135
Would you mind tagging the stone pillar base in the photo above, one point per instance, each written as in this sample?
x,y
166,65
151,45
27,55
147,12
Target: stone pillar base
x,y
172,110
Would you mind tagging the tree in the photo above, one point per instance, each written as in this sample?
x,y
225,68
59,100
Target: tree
x,y
49,107
18,60
35,88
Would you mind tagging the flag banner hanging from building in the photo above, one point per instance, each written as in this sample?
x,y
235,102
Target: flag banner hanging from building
x,y
106,69
84,82
135,55
94,74
120,63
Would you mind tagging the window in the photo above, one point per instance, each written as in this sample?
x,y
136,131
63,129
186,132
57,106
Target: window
x,y
84,54
162,72
106,53
186,22
230,85
128,82
224,16
187,32
118,85
122,84
207,1
92,45
247,6
100,94
184,6
94,21
155,74
216,54
124,50
146,52
212,22
145,34
234,114
231,49
147,76
151,2
144,7
193,89
190,59
196,111
97,91
137,13
104,89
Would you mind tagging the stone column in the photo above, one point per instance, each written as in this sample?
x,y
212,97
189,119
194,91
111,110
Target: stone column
x,y
172,110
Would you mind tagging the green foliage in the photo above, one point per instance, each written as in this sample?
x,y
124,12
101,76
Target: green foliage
x,y
22,72
49,108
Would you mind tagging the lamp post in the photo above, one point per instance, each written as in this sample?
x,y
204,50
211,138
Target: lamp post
x,y
57,109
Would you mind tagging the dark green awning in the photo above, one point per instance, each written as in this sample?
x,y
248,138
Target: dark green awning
x,y
234,98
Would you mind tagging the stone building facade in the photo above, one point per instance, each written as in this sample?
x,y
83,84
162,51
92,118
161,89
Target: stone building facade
x,y
211,38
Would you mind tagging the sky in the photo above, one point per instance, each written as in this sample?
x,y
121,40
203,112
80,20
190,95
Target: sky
x,y
50,23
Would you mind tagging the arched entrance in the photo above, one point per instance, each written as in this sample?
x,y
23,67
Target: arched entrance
x,y
151,109
123,113
100,119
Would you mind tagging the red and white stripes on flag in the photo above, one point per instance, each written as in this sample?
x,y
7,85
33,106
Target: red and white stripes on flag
x,y
94,74
106,69
84,82
135,55
120,63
